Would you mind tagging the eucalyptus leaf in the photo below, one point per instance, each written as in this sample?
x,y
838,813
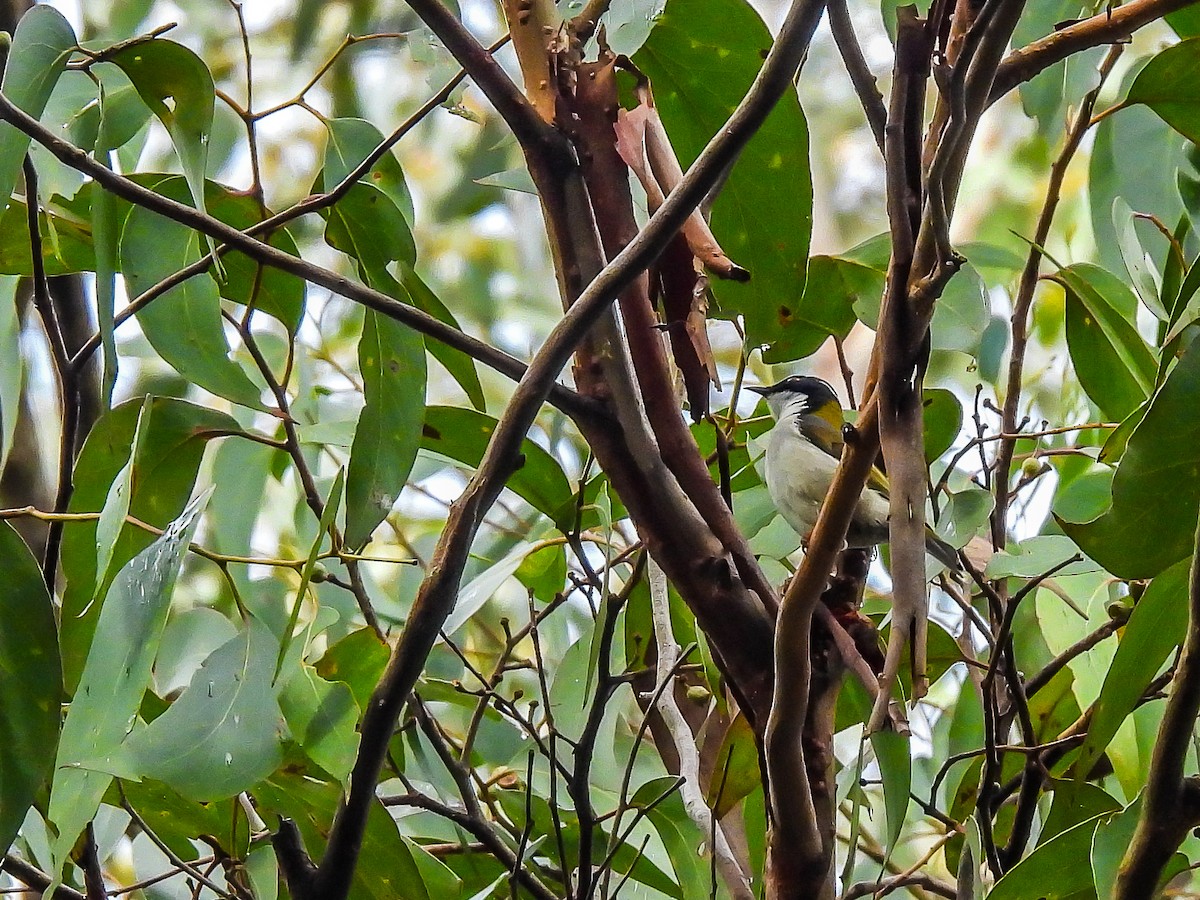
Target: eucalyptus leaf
x,y
41,47
222,735
1165,85
31,689
701,57
114,679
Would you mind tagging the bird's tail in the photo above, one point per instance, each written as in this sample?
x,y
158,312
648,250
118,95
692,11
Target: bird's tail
x,y
941,551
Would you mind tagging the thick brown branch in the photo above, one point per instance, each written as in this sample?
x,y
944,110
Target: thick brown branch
x,y
1169,803
436,597
1111,25
35,878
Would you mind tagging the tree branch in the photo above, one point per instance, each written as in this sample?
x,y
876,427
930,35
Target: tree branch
x,y
1113,24
1169,803
860,73
35,878
262,252
436,597
1023,301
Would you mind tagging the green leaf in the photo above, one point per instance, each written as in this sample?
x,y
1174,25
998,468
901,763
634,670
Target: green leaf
x,y
1114,364
701,57
1167,85
350,142
736,774
168,459
1074,802
391,358
333,503
895,768
1035,556
12,366
463,434
106,236
833,290
1156,490
460,366
184,325
322,716
41,46
679,835
367,225
943,421
223,733
1155,628
1185,22
483,587
1132,151
31,689
177,86
357,661
178,820
1137,262
116,505
1052,871
115,677
387,868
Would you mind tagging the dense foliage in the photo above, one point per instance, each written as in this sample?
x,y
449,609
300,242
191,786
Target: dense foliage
x,y
326,575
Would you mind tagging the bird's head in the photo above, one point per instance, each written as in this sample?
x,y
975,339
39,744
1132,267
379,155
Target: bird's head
x,y
802,395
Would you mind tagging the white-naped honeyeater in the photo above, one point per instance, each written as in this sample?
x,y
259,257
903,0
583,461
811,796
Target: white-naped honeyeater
x,y
803,449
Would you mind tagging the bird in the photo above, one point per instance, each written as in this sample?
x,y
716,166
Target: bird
x,y
803,449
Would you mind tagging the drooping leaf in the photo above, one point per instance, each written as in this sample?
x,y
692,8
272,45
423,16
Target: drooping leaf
x,y
895,768
1043,874
178,820
700,58
391,358
835,287
367,225
1166,85
114,679
184,325
31,687
943,421
387,867
1131,152
1137,261
41,46
460,366
177,86
357,660
737,772
678,833
164,474
1155,493
1114,364
222,735
322,716
1155,628
12,366
350,142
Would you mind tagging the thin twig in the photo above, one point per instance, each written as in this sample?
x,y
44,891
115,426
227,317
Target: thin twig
x,y
860,73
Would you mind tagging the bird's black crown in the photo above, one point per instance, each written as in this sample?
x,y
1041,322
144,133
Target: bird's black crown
x,y
818,391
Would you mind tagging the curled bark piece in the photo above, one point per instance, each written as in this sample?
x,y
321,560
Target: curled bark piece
x,y
643,143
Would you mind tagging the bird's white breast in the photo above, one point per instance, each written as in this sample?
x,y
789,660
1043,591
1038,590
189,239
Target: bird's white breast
x,y
798,475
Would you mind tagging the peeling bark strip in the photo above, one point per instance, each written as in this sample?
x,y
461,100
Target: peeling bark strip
x,y
677,279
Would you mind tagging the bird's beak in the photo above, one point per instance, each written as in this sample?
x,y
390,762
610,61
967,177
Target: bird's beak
x,y
761,391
